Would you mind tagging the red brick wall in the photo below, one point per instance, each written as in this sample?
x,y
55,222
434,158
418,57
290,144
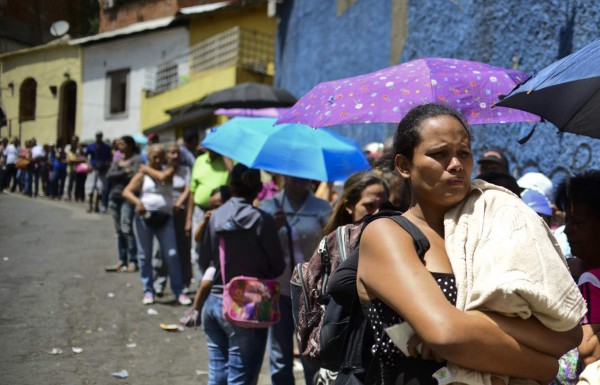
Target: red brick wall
x,y
126,12
29,21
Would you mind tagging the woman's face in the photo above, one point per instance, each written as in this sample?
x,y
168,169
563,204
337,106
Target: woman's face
x,y
156,159
442,162
173,154
296,188
121,145
581,227
370,200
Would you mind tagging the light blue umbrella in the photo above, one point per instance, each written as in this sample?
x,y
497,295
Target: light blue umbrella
x,y
288,149
140,139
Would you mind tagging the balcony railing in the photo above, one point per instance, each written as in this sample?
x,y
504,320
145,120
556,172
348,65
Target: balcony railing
x,y
249,49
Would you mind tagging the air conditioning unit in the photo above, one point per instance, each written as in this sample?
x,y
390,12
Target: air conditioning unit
x,y
108,4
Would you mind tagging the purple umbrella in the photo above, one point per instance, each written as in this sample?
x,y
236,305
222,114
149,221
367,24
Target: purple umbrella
x,y
387,95
271,112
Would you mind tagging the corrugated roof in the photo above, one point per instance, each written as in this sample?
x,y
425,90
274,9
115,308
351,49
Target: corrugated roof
x,y
142,26
203,8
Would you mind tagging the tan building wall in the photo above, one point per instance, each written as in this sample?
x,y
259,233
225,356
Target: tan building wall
x,y
56,68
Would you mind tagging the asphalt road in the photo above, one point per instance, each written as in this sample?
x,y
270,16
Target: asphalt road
x,y
56,298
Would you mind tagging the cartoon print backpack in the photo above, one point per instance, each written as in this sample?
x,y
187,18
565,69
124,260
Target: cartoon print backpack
x,y
248,301
309,296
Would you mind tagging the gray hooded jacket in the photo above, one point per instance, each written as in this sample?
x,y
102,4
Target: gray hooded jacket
x,y
252,245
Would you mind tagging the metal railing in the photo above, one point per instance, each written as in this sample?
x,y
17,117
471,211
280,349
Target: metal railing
x,y
246,48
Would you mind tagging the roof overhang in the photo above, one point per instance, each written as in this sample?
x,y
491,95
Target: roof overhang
x,y
184,118
133,29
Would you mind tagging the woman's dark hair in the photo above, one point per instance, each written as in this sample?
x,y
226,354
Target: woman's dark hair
x,y
130,142
244,182
408,133
353,188
581,188
400,195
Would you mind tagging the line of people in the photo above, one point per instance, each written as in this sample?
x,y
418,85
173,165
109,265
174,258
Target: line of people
x,y
73,171
172,210
432,156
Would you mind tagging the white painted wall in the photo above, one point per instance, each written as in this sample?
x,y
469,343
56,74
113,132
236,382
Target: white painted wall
x,y
136,53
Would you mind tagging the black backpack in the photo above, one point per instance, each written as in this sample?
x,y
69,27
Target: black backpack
x,y
330,334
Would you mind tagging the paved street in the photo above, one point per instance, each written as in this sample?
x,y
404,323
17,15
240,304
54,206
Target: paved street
x,y
55,295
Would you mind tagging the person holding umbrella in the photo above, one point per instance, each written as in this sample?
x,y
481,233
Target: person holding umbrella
x,y
300,218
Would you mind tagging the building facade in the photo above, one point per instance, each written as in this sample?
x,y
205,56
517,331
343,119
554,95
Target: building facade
x,y
40,90
326,40
114,70
230,43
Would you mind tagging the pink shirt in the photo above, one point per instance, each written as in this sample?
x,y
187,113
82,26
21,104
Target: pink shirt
x,y
268,191
589,285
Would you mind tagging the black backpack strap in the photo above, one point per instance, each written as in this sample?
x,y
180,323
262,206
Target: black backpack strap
x,y
420,240
370,218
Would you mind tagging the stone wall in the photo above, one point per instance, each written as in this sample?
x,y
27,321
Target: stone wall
x,y
316,44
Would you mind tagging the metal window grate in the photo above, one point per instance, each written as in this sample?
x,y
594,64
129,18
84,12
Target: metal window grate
x,y
249,49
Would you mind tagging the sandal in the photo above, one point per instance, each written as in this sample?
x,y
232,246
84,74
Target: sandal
x,y
133,268
116,267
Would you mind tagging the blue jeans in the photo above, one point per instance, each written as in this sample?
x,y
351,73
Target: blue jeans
x,y
235,354
56,186
32,181
168,248
281,348
122,213
197,217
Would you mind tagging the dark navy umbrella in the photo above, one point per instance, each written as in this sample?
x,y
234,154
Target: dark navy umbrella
x,y
249,95
566,93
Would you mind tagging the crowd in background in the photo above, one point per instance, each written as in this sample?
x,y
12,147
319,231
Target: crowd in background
x,y
161,199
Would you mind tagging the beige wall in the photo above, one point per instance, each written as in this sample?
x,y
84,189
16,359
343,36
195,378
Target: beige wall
x,y
47,65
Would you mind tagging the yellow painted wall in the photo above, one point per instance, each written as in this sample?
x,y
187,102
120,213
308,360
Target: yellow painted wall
x,y
154,107
205,26
47,65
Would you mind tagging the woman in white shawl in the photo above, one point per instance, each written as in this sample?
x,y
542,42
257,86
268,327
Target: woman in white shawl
x,y
432,150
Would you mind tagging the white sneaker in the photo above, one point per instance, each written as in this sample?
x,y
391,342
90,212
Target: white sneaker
x,y
148,299
184,300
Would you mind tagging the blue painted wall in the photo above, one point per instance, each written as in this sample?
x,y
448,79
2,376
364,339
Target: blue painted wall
x,y
315,45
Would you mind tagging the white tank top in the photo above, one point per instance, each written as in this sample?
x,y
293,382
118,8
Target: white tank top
x,y
157,196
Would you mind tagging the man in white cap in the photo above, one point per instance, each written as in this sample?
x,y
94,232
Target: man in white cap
x,y
537,181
